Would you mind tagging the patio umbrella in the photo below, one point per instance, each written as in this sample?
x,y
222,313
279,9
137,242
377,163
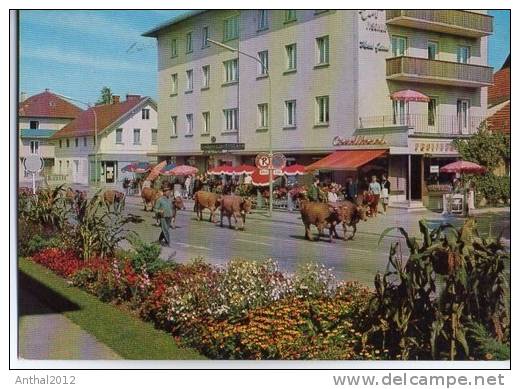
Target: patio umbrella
x,y
184,170
244,169
258,179
409,95
167,170
156,170
463,167
136,167
294,170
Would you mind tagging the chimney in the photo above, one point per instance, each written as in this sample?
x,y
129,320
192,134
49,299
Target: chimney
x,y
132,97
23,97
115,99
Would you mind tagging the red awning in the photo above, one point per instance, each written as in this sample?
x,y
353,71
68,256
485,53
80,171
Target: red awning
x,y
346,159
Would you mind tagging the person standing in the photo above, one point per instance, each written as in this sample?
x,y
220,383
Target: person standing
x,y
332,196
385,192
374,189
163,208
314,190
351,190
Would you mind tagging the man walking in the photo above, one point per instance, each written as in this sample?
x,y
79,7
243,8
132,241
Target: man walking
x,y
163,207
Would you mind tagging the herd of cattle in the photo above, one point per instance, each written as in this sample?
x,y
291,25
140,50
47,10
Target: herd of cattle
x,y
322,215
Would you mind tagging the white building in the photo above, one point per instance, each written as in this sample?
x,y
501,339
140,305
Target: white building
x,y
126,132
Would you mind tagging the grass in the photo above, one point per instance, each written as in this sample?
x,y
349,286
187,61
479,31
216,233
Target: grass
x,y
124,333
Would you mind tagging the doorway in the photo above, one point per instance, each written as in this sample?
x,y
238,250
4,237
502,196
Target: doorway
x,y
416,177
109,172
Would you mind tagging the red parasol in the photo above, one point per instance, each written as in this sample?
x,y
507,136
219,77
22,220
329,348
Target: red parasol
x,y
409,95
184,170
294,170
258,179
463,167
156,170
244,169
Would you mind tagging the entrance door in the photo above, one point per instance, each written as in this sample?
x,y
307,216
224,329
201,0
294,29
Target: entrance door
x,y
109,172
416,178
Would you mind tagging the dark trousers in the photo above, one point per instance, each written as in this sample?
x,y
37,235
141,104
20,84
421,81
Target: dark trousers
x,y
165,229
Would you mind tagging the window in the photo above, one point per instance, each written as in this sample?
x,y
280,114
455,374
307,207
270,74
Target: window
x,y
68,165
463,114
175,84
322,112
432,111
231,70
263,67
34,124
231,28
433,50
76,165
189,80
154,136
84,141
137,136
231,119
205,122
290,15
262,19
322,45
205,76
463,54
35,145
61,144
290,113
399,45
119,135
174,125
76,142
68,142
60,167
189,46
94,140
205,36
173,48
263,116
400,111
290,51
189,124
145,114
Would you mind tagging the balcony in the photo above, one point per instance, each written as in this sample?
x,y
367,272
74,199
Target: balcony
x,y
438,72
423,124
456,22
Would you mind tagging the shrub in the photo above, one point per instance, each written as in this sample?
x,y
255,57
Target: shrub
x,y
145,257
313,280
493,188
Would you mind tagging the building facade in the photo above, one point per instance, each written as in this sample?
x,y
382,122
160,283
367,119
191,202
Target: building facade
x,y
126,133
39,117
407,81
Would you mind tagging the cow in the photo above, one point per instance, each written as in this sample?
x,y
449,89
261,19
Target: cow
x,y
204,200
372,201
114,198
177,204
149,196
350,215
236,206
322,215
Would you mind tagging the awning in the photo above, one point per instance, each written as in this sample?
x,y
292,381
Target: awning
x,y
346,159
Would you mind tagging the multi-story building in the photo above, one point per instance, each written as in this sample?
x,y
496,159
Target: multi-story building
x,y
39,117
126,132
404,82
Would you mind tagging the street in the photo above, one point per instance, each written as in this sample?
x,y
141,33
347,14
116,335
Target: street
x,y
282,239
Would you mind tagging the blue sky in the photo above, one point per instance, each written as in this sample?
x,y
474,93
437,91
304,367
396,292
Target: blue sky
x,y
76,53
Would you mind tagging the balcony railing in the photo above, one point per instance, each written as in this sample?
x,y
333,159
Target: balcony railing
x,y
438,72
459,22
442,125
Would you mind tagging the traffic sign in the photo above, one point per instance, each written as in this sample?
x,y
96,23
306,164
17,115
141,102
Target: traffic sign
x,y
277,172
278,161
264,172
263,161
33,163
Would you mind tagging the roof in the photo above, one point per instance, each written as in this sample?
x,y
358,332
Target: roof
x,y
500,91
106,116
500,121
177,19
36,133
48,105
346,159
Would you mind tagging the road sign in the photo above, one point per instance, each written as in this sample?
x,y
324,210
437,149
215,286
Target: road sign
x,y
277,172
263,161
278,161
33,163
264,172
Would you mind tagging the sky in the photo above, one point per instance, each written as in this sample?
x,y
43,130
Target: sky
x,y
76,53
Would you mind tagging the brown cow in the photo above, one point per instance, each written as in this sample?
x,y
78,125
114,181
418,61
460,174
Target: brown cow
x,y
322,215
204,200
114,198
351,214
177,204
149,196
236,206
372,201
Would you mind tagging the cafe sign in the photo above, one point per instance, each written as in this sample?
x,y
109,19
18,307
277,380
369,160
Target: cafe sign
x,y
359,140
433,147
221,147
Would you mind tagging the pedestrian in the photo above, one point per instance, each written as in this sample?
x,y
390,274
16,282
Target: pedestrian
x,y
332,196
351,190
163,207
375,190
385,192
187,187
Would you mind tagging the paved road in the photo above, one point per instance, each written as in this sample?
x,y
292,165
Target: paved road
x,y
282,239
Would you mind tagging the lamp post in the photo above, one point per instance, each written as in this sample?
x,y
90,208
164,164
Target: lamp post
x,y
90,106
266,71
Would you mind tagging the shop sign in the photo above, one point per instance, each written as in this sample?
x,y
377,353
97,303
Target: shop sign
x,y
376,47
434,168
434,147
219,147
359,140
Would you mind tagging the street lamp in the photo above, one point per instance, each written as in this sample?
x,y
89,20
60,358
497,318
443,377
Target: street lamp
x,y
89,105
266,71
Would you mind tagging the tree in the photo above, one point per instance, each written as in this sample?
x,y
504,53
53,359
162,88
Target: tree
x,y
106,96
